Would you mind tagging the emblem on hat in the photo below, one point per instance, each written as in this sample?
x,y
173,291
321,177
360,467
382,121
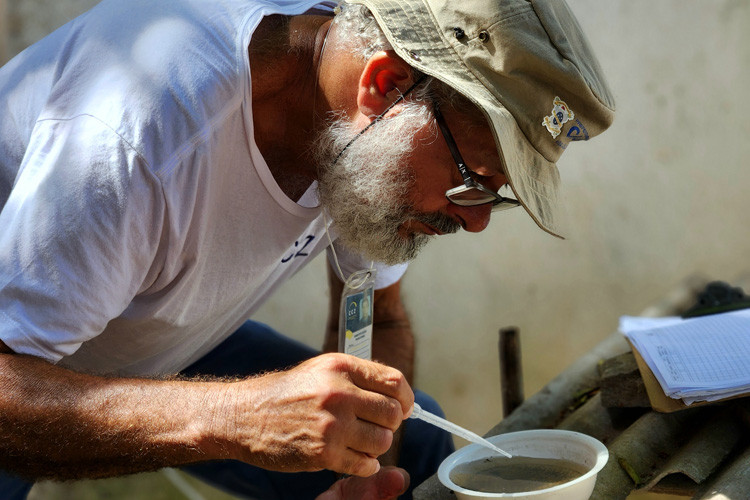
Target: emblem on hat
x,y
561,114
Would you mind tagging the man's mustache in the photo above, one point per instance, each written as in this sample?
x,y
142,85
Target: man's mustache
x,y
443,223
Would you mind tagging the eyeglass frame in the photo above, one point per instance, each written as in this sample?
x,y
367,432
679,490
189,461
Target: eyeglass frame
x,y
499,202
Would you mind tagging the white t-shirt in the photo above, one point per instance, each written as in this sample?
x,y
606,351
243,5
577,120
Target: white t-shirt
x,y
140,224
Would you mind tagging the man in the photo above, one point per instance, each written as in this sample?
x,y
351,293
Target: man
x,y
165,166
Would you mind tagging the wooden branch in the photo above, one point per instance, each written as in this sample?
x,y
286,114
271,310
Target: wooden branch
x,y
511,374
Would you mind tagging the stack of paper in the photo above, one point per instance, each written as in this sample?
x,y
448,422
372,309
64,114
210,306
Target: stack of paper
x,y
699,359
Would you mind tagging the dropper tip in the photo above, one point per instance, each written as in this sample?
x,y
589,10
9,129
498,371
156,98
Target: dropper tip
x,y
503,452
415,411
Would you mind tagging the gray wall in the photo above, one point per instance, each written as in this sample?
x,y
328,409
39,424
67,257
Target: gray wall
x,y
4,35
658,197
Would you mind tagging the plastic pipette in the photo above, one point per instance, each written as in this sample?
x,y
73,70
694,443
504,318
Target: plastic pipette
x,y
430,418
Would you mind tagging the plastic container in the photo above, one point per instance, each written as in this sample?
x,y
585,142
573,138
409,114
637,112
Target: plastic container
x,y
539,443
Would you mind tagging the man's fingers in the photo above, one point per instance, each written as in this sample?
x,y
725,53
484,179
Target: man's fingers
x,y
381,410
369,438
375,377
391,482
387,484
356,463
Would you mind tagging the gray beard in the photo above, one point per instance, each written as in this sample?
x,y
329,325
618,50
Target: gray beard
x,y
366,190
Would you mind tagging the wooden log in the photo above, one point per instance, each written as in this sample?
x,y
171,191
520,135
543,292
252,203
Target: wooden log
x,y
729,483
633,453
511,374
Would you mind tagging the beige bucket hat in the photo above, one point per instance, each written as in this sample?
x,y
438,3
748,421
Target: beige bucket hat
x,y
526,64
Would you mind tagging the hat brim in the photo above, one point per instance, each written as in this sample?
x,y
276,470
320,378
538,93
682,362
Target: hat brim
x,y
420,42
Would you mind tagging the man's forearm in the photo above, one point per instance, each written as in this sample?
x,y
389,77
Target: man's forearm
x,y
392,344
329,412
60,424
392,339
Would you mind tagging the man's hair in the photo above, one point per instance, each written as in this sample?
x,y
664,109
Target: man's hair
x,y
360,33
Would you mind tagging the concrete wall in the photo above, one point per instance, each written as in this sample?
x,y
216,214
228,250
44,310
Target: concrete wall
x,y
658,197
29,20
4,35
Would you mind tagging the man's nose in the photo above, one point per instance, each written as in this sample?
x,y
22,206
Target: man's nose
x,y
473,219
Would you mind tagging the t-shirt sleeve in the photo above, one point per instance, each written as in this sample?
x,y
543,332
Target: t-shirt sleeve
x,y
80,232
351,262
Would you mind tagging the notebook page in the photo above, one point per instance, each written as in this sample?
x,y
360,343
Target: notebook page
x,y
699,356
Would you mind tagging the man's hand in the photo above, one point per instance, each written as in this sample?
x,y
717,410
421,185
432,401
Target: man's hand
x,y
333,412
387,484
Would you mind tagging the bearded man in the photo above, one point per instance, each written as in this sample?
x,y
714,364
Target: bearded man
x,y
164,166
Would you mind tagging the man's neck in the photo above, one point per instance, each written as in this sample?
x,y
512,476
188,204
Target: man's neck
x,y
284,54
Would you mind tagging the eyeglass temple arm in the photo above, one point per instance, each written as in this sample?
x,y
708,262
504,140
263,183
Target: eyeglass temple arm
x,y
468,180
381,115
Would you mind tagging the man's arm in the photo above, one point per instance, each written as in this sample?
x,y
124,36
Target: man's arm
x,y
392,338
330,412
62,424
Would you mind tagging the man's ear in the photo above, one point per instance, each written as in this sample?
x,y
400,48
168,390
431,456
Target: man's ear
x,y
383,73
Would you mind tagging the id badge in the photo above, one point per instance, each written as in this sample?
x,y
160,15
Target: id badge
x,y
355,318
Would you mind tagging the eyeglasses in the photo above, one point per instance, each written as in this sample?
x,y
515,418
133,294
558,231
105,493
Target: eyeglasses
x,y
472,193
